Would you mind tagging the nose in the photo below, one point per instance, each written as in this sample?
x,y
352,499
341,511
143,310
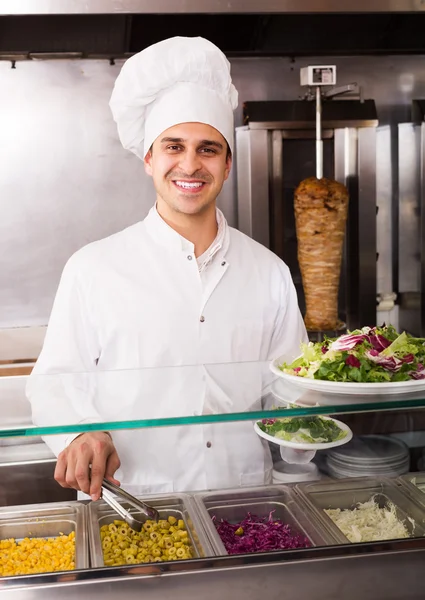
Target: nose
x,y
190,161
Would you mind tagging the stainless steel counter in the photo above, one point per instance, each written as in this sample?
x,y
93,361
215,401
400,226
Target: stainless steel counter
x,y
327,571
369,576
31,482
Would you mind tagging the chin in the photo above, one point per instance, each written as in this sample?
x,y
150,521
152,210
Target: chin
x,y
190,207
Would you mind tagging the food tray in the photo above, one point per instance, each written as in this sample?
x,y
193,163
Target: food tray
x,y
232,505
47,521
176,505
346,493
414,485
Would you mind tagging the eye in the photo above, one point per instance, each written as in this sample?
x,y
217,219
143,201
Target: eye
x,y
174,148
208,151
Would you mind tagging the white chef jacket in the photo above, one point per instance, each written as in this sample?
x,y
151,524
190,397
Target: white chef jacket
x,y
134,303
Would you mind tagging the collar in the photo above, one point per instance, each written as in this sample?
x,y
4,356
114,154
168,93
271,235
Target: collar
x,y
166,236
205,258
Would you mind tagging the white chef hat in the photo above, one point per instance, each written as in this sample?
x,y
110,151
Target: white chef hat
x,y
178,80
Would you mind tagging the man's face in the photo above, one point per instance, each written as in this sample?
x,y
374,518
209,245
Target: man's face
x,y
189,166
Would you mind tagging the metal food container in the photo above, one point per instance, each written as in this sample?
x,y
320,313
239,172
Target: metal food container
x,y
233,506
176,505
346,493
414,485
47,521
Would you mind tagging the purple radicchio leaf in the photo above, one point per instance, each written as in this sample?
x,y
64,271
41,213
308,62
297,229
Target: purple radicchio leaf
x,y
390,363
409,358
352,361
419,373
348,342
379,342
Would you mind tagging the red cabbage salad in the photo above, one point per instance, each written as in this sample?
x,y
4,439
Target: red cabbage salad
x,y
368,355
258,534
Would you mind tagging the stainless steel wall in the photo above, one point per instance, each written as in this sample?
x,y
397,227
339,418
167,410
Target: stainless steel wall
x,y
65,179
25,7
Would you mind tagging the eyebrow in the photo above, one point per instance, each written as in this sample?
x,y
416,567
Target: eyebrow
x,y
168,140
212,143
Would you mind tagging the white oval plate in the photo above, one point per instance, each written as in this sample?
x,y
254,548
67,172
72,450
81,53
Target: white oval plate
x,y
288,394
345,387
307,446
309,398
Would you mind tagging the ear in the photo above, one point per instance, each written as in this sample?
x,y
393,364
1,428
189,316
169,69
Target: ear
x,y
147,161
228,167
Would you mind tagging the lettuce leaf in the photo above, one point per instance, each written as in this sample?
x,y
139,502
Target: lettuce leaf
x,y
303,429
367,355
402,346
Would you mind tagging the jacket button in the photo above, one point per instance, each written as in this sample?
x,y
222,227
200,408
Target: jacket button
x,y
223,264
189,257
202,319
209,444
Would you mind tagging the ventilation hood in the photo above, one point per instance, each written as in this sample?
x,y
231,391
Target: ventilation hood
x,y
238,27
27,7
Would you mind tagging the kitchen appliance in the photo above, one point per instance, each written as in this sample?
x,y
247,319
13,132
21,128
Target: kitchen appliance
x,y
410,261
276,149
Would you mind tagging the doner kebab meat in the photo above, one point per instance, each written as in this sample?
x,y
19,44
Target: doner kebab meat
x,y
320,215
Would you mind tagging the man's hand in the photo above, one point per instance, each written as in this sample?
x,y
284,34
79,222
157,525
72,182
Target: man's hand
x,y
73,467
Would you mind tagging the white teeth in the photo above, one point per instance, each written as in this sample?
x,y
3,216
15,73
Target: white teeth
x,y
187,185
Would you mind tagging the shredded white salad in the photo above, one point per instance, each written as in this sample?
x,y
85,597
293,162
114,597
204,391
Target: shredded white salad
x,y
368,522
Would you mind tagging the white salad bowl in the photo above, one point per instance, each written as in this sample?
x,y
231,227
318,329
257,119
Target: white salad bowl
x,y
347,387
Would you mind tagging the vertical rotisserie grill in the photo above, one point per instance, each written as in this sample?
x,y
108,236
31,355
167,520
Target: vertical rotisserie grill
x,y
321,207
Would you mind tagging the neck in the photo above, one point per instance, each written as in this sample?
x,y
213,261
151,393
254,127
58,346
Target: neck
x,y
200,229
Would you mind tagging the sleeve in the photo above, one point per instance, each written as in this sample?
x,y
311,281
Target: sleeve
x,y
289,330
62,385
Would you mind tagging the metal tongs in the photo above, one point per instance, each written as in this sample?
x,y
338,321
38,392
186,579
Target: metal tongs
x,y
110,490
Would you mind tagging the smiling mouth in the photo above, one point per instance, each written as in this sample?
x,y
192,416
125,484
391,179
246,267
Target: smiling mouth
x,y
189,186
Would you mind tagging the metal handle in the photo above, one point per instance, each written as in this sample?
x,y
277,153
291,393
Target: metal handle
x,y
149,511
319,143
121,511
113,503
343,89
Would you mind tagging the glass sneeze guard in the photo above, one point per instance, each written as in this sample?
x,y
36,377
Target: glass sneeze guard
x,y
158,397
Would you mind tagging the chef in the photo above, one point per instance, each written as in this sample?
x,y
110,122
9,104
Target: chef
x,y
180,288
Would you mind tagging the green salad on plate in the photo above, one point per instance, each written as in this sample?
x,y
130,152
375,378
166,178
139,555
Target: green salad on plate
x,y
367,355
301,430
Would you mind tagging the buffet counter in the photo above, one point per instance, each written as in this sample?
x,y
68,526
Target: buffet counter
x,y
205,543
396,576
328,567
